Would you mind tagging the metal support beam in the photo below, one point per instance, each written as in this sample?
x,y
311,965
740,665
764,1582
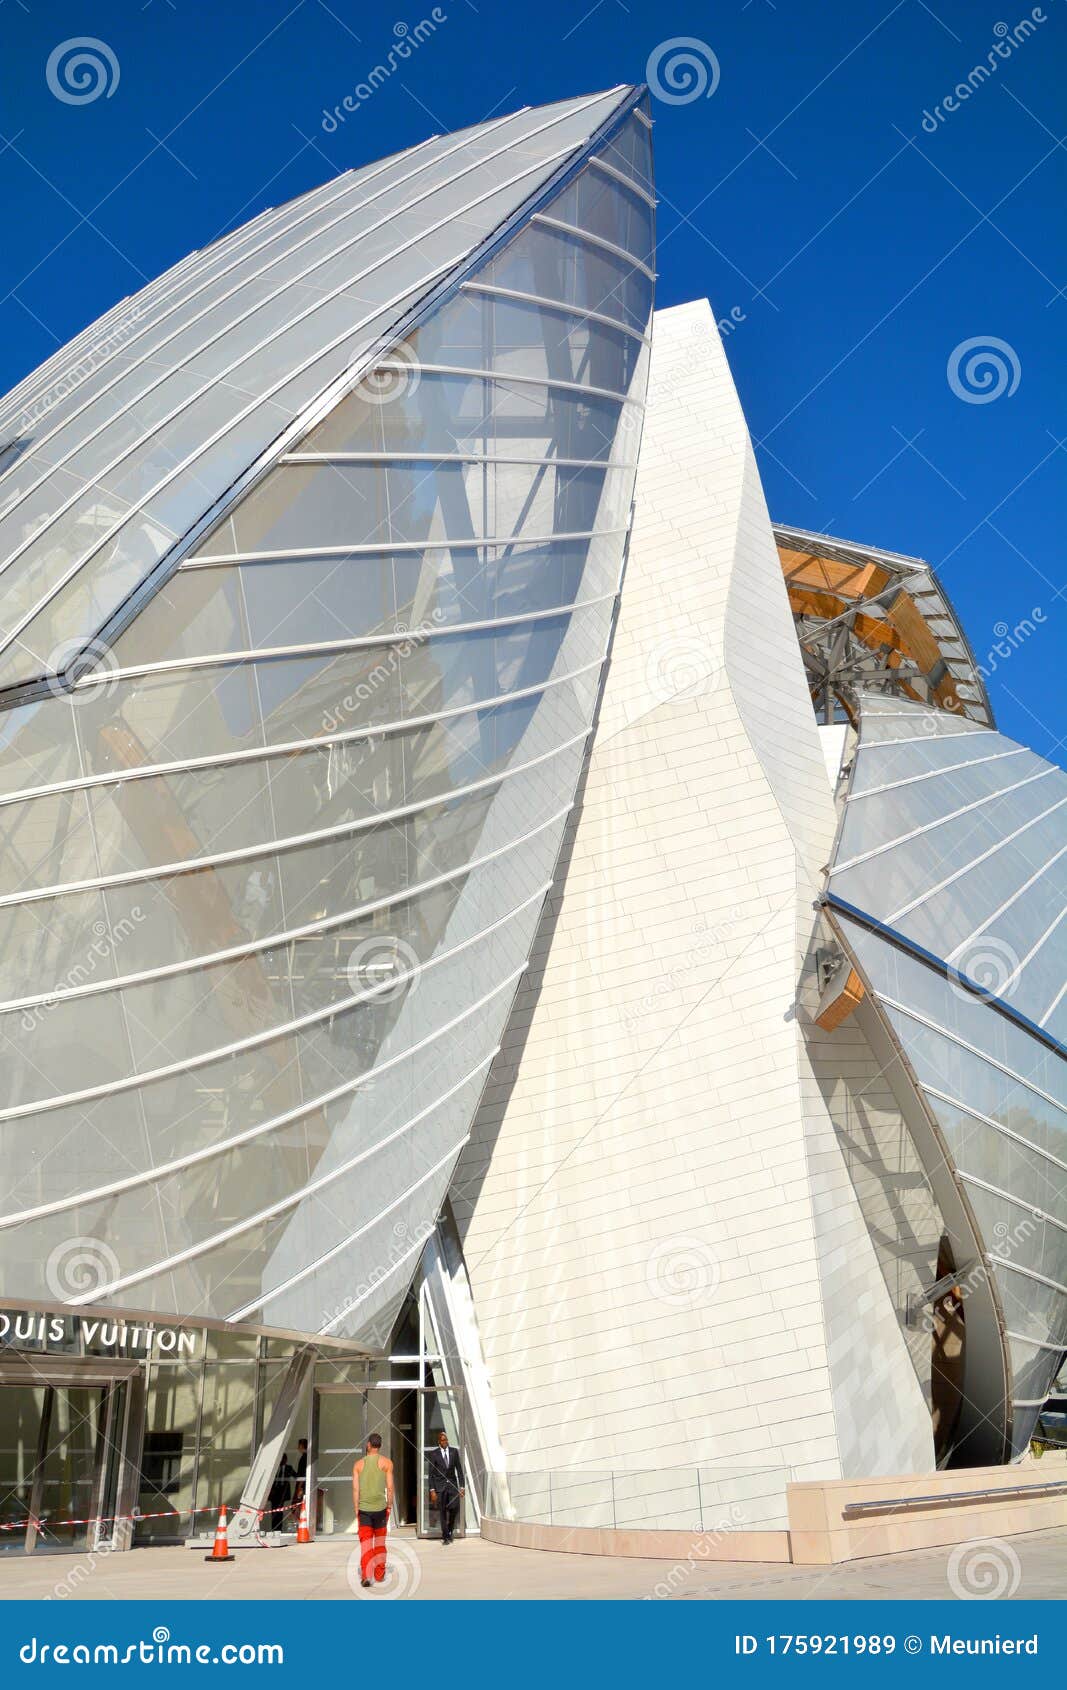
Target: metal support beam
x,y
245,1526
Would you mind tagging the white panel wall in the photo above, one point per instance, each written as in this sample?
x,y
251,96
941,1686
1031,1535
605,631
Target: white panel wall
x,y
650,1200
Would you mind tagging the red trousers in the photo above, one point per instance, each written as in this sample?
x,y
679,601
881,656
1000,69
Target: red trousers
x,y
372,1552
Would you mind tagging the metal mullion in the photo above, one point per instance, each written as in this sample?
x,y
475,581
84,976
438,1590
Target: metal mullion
x,y
569,308
129,1082
1037,875
266,848
262,398
621,177
935,774
1013,1198
995,1261
388,1273
975,862
593,240
983,1055
492,458
372,548
319,648
505,376
942,821
208,281
292,1198
275,1124
286,748
995,1125
268,299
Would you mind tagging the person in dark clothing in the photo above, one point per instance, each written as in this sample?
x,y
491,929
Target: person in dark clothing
x,y
280,1493
446,1485
301,1470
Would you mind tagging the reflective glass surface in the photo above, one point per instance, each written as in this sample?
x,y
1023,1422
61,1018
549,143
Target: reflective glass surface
x,y
269,890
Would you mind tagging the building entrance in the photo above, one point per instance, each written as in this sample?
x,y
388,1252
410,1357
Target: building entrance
x,y
66,1483
407,1417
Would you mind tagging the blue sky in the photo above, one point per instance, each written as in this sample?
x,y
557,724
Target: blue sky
x,y
858,247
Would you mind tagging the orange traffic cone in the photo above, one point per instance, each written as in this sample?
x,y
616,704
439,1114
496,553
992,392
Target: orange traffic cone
x,y
220,1549
302,1533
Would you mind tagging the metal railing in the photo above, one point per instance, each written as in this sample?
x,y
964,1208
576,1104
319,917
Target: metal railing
x,y
889,1505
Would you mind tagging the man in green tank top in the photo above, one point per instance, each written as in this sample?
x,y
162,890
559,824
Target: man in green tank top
x,y
372,1496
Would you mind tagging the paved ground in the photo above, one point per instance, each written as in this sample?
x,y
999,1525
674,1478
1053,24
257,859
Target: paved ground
x,y
1034,1566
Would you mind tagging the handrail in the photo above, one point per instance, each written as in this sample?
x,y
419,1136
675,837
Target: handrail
x,y
891,1504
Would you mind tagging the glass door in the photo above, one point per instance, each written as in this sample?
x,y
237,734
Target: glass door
x,y
21,1410
60,1455
439,1410
69,1489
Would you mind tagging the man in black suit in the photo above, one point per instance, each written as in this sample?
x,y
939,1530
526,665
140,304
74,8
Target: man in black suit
x,y
446,1484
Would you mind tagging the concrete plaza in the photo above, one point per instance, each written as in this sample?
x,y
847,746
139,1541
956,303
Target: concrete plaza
x,y
1033,1566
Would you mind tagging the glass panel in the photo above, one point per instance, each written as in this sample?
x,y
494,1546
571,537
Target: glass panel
x,y
21,1407
227,1433
168,1464
73,1444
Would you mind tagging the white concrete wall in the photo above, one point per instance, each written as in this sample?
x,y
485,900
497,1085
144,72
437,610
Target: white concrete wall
x,y
650,1199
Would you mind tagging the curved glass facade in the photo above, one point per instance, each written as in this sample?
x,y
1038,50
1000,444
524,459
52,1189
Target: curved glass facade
x,y
948,886
275,864
123,451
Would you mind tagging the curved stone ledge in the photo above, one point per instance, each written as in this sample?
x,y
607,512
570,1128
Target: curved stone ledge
x,y
685,1548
